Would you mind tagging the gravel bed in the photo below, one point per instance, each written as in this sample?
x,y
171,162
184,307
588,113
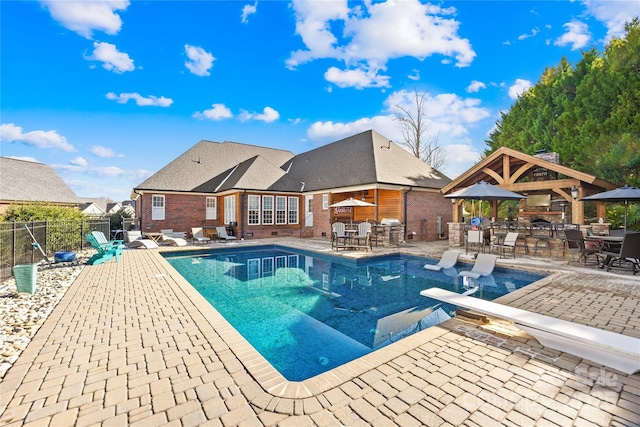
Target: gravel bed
x,y
22,314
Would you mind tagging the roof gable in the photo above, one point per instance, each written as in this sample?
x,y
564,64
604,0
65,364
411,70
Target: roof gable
x,y
202,165
24,181
365,158
506,166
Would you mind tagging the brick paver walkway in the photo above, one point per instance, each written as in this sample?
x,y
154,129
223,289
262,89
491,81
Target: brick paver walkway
x,y
133,344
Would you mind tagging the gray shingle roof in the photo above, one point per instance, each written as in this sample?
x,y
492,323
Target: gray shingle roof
x,y
23,181
365,158
206,165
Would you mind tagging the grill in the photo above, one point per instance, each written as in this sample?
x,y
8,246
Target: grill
x,y
390,221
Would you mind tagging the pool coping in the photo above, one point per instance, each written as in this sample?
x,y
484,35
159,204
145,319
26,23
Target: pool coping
x,y
269,378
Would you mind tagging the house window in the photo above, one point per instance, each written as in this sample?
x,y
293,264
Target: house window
x,y
211,210
293,210
229,209
254,210
157,208
267,210
325,202
281,210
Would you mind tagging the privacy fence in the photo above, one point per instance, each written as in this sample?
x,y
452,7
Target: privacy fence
x,y
17,245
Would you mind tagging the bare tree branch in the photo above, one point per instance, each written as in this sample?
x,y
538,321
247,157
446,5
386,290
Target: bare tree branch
x,y
415,133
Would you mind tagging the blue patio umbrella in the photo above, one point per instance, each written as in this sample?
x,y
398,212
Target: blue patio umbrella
x,y
623,195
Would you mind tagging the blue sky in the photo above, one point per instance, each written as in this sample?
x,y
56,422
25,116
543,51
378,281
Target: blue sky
x,y
109,92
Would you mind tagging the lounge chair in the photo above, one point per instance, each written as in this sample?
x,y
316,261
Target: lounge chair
x,y
104,252
135,240
222,234
169,237
577,246
102,239
448,260
610,349
629,254
507,245
198,235
485,263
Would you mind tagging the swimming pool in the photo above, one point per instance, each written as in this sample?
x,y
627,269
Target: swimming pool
x,y
307,313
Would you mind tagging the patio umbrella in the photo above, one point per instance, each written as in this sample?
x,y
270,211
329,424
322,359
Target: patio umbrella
x,y
351,203
484,191
624,195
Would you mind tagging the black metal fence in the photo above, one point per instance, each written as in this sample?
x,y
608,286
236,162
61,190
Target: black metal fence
x,y
18,247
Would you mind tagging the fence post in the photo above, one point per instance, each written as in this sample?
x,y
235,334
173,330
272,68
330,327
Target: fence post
x,y
13,245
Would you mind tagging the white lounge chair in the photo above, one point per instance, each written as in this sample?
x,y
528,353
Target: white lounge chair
x,y
485,263
222,234
134,240
169,237
199,236
448,260
610,349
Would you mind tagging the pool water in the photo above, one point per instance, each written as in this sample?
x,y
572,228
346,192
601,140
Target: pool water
x,y
307,313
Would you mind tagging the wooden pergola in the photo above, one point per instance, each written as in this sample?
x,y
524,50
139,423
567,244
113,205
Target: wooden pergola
x,y
530,175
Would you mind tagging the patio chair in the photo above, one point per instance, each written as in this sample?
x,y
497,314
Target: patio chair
x,y
363,238
172,238
198,235
475,237
629,254
448,260
485,263
104,252
222,234
102,239
338,235
577,246
134,240
507,245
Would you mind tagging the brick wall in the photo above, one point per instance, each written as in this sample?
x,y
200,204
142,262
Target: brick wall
x,y
422,210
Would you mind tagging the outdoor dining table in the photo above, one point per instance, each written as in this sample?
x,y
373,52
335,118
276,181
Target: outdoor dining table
x,y
605,242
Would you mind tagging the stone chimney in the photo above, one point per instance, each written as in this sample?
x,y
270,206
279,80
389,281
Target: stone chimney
x,y
550,157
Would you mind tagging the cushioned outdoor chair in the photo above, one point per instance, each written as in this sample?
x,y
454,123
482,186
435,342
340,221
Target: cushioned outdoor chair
x,y
448,260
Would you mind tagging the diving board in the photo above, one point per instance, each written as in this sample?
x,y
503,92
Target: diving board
x,y
610,349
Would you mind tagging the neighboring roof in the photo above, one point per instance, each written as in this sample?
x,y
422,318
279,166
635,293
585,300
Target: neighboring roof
x,y
91,208
365,158
506,162
23,181
207,165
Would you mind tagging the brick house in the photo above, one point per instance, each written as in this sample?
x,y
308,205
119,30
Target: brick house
x,y
266,192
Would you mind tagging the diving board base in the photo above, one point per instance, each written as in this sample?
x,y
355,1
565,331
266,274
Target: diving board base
x,y
610,349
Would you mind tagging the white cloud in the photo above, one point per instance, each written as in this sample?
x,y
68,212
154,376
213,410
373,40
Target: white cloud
x,y
534,31
614,14
200,61
475,86
111,171
141,101
79,161
41,139
247,10
370,34
358,78
268,115
112,59
218,112
577,35
100,151
415,76
518,88
83,17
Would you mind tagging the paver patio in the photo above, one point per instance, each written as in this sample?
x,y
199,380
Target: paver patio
x,y
132,343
